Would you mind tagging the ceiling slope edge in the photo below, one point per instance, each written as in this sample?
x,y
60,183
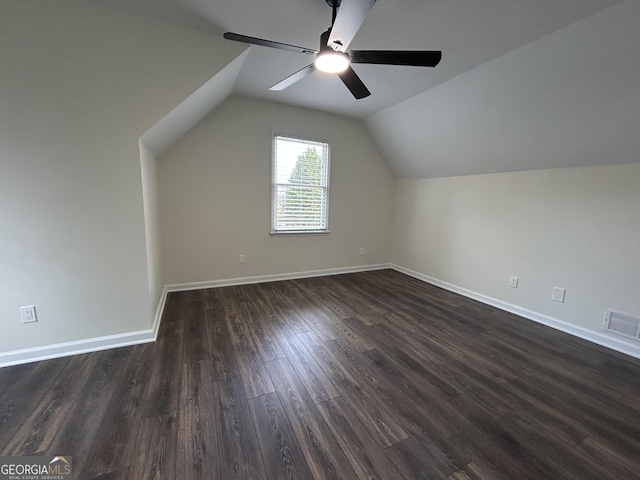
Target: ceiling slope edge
x,y
194,108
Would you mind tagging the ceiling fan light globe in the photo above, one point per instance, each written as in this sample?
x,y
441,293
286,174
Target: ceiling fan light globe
x,y
332,62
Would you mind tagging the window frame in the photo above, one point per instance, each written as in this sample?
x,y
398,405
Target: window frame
x,y
274,184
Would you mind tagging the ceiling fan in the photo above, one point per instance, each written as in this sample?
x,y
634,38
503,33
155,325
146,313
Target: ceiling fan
x,y
333,56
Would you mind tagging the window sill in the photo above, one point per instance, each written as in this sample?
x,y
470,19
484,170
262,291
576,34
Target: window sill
x,y
298,232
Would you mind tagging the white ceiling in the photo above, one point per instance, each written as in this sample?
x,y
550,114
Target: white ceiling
x,y
522,84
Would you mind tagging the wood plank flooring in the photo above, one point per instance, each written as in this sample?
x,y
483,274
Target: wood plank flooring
x,y
371,375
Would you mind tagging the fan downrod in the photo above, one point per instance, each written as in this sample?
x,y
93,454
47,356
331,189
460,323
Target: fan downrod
x,y
331,3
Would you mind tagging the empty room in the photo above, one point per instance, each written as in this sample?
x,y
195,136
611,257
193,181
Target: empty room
x,y
320,239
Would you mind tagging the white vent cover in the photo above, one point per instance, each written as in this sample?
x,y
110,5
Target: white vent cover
x,y
622,324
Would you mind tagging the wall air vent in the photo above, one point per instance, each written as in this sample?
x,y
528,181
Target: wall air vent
x,y
622,324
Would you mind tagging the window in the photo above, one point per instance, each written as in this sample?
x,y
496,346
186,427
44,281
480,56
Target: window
x,y
300,200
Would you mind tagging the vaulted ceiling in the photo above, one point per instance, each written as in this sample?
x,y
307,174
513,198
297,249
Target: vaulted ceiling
x,y
522,85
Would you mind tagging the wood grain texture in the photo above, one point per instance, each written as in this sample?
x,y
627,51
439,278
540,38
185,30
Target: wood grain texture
x,y
367,459
284,315
198,454
155,451
254,376
318,385
376,417
114,442
280,448
358,376
222,356
162,388
23,398
38,431
324,456
239,452
195,327
10,378
90,408
259,324
409,458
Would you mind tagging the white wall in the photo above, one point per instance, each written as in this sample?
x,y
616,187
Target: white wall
x,y
576,228
215,194
148,172
79,83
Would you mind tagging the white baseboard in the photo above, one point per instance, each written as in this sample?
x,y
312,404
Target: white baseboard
x,y
584,333
155,327
47,352
181,287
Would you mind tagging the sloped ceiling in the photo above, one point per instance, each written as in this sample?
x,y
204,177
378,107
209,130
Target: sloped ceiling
x,y
568,99
522,85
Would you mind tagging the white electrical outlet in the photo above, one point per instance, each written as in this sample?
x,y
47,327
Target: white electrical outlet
x,y
558,294
28,314
241,259
513,281
361,250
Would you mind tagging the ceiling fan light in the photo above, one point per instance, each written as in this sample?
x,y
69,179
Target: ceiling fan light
x,y
332,62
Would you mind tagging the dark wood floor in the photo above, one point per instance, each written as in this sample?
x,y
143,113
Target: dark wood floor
x,y
369,375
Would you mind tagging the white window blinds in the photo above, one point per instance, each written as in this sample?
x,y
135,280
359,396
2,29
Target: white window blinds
x,y
300,185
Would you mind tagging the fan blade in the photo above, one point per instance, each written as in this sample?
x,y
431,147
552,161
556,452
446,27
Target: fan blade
x,y
291,79
350,17
354,84
413,58
236,37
